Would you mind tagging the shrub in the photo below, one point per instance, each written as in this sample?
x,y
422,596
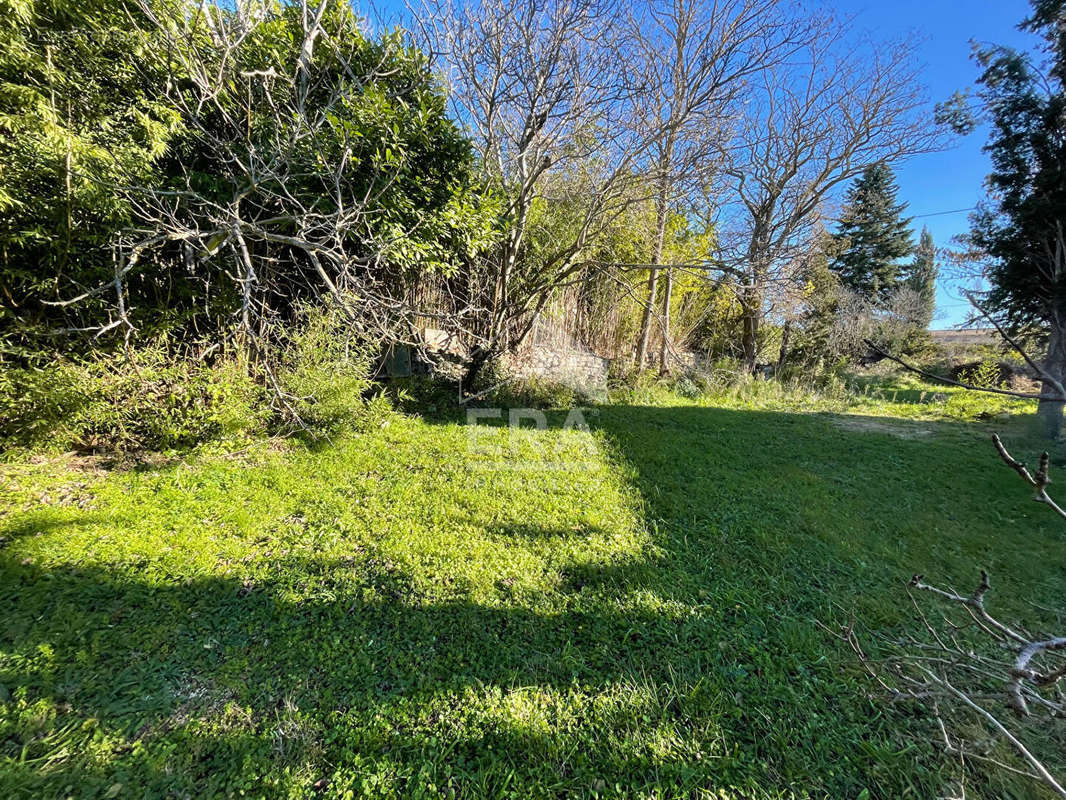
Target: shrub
x,y
988,374
325,373
536,393
621,373
688,387
145,400
726,371
35,402
317,380
425,395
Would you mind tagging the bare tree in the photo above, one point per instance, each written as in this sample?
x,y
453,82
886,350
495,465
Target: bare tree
x,y
696,60
810,125
543,88
864,327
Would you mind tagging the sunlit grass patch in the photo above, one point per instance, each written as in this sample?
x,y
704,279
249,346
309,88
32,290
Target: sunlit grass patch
x,y
630,610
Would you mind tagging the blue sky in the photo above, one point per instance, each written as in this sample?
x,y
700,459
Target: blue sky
x,y
949,180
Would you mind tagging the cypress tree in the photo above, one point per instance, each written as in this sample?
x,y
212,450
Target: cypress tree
x,y
873,234
1022,228
921,277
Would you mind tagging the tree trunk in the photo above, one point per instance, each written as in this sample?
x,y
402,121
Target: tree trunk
x,y
750,321
645,322
478,359
751,295
782,354
749,341
664,347
661,199
1050,410
509,258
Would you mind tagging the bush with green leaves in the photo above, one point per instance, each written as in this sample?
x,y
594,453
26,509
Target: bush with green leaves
x,y
81,112
688,387
985,375
536,393
146,399
324,373
113,145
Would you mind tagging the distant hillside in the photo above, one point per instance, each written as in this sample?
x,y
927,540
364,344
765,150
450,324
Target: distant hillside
x,y
966,336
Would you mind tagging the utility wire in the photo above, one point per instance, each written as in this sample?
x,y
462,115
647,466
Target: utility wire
x,y
930,214
942,213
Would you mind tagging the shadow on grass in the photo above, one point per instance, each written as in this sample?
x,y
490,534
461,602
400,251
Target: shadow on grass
x,y
49,522
696,666
208,666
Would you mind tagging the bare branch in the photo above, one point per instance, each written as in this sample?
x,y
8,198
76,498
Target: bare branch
x,y
975,602
1039,482
950,382
1016,743
952,670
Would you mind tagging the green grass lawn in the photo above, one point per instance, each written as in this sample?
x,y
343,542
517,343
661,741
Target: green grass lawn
x,y
626,612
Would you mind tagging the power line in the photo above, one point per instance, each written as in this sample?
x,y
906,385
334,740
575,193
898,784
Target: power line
x,y
930,214
942,213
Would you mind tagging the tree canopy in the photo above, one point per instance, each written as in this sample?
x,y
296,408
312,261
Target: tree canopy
x,y
205,161
202,171
1022,228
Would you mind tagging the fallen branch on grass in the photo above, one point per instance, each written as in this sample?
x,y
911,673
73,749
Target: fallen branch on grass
x,y
1041,771
1027,647
952,666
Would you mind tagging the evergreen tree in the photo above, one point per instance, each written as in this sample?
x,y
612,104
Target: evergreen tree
x,y
78,110
1023,227
873,234
97,117
921,277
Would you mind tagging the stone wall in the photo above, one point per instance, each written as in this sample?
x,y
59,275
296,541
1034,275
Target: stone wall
x,y
549,354
576,367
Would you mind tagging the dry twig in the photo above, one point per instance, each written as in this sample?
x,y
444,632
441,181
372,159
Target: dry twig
x,y
1039,481
953,671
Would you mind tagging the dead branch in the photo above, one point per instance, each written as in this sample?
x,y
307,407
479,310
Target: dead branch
x,y
1014,741
974,602
1039,481
952,667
